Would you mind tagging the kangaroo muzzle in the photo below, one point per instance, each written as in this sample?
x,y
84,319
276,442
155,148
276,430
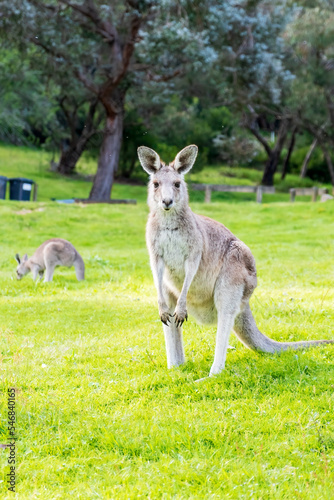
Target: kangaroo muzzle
x,y
167,203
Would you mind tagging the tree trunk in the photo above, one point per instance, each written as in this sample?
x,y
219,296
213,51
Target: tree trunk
x,y
288,156
307,159
270,169
318,135
72,151
70,155
109,157
274,156
329,162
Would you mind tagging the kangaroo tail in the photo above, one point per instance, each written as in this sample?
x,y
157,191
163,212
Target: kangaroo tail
x,y
79,266
249,334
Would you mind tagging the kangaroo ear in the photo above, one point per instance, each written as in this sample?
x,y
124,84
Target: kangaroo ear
x,y
17,258
25,258
149,159
185,159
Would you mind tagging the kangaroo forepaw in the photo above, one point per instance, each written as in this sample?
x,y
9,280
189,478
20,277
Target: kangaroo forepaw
x,y
180,316
165,318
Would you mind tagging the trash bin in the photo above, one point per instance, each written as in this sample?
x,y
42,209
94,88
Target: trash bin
x,y
3,185
20,189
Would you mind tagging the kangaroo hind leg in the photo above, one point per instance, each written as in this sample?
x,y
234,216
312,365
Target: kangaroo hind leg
x,y
227,300
49,272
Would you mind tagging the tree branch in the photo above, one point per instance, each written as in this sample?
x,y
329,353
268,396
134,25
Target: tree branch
x,y
88,9
289,153
87,82
251,127
330,107
49,50
282,133
303,170
70,117
60,55
164,78
318,134
130,44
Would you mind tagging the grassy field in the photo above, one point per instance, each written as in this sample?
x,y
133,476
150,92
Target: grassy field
x,y
35,165
98,413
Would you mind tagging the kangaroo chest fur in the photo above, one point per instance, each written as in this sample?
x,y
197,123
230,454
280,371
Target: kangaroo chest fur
x,y
171,240
172,245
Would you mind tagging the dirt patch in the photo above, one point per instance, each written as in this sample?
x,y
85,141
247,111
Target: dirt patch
x,y
25,211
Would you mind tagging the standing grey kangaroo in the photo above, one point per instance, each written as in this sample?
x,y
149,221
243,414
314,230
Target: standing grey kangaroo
x,y
51,253
199,265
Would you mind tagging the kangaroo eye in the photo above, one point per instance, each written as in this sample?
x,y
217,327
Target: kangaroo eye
x,y
177,184
156,184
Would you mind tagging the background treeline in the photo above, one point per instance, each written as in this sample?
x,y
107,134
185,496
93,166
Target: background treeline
x,y
250,82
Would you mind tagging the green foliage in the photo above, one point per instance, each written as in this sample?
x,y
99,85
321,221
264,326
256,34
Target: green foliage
x,y
173,126
317,169
311,49
26,103
100,416
135,134
197,70
91,44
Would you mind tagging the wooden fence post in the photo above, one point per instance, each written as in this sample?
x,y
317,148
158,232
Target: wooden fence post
x,y
292,195
34,194
259,194
315,193
207,198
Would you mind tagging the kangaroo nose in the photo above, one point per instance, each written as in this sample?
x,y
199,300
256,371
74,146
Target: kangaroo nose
x,y
167,203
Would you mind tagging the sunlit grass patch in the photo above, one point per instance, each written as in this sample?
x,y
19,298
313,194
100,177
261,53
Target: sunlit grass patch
x,y
98,413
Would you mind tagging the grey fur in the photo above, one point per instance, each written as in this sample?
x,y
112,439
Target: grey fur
x,y
199,265
52,253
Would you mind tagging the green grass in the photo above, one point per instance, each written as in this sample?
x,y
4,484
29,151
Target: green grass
x,y
98,413
100,416
239,176
35,164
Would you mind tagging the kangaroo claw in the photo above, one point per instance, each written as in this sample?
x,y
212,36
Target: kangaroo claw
x,y
165,317
179,318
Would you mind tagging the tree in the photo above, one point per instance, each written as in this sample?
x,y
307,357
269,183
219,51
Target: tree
x,y
81,119
243,43
308,155
274,153
95,43
310,38
42,105
289,153
26,107
248,38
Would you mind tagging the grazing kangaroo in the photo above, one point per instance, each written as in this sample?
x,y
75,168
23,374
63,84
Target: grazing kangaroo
x,y
51,253
199,265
